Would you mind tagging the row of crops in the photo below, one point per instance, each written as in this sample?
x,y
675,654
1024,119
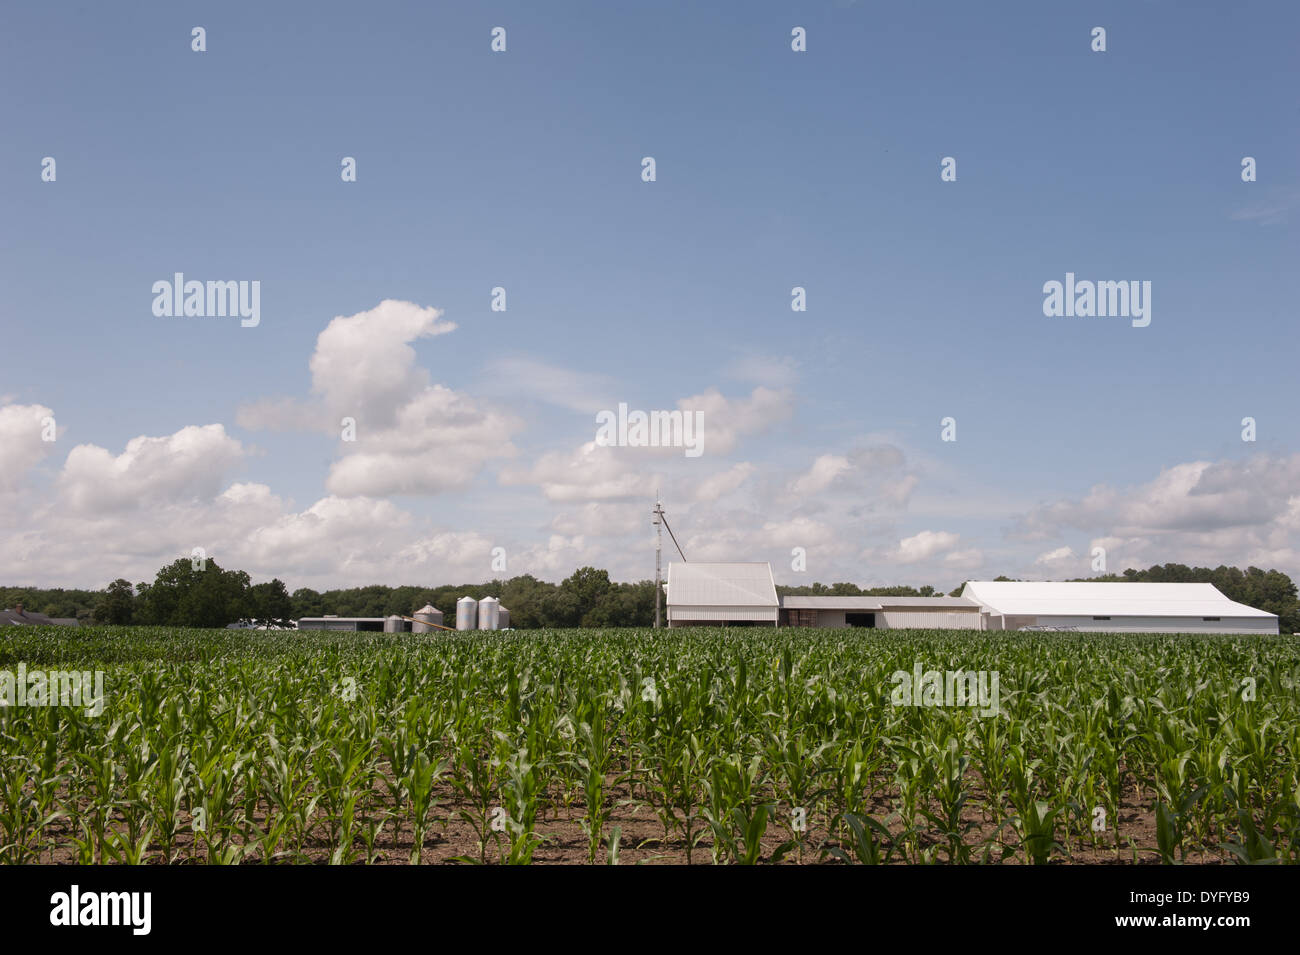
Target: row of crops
x,y
736,746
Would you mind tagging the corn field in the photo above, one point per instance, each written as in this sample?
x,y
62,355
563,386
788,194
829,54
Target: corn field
x,y
740,746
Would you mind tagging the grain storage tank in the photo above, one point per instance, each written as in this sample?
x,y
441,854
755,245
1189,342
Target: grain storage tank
x,y
503,618
466,613
394,624
487,613
425,616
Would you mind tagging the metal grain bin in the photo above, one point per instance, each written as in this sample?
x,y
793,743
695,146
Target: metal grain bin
x,y
426,615
487,613
466,613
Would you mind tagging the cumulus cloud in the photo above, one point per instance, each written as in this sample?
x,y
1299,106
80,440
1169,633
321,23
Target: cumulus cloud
x,y
727,420
864,481
591,472
440,440
1191,497
22,444
364,364
924,545
824,470
411,436
1199,512
186,465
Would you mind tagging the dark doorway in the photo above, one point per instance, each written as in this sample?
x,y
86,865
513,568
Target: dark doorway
x,y
860,619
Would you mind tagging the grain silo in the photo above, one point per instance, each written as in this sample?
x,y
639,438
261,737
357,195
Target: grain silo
x,y
466,613
394,624
487,613
503,618
427,618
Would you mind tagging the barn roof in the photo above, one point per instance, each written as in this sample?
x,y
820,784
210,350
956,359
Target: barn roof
x,y
721,584
1105,598
824,602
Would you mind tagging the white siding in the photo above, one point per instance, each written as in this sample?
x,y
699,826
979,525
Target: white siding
x,y
1164,624
720,614
927,620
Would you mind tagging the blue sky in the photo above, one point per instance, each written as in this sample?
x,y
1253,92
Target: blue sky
x,y
775,169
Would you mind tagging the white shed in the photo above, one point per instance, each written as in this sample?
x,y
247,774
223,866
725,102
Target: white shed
x,y
1113,606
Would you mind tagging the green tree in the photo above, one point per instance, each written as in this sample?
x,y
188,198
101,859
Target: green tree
x,y
182,596
271,604
307,603
117,606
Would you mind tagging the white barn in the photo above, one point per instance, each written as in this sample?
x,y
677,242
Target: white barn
x,y
714,594
1117,607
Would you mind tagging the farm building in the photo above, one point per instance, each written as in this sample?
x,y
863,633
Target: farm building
x,y
18,617
885,613
354,624
713,594
1119,607
729,594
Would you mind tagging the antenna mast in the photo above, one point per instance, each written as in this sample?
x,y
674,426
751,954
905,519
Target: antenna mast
x,y
658,513
660,522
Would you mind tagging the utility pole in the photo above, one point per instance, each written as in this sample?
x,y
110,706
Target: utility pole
x,y
658,513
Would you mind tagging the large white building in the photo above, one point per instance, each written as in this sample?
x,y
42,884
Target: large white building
x,y
718,594
1119,606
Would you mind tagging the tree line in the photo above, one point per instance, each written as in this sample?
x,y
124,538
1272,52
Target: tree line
x,y
185,595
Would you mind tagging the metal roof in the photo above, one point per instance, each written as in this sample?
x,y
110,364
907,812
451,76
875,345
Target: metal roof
x,y
798,602
721,585
1121,598
929,603
821,602
346,620
30,618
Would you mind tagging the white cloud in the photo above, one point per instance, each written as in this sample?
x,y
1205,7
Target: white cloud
x,y
21,443
186,465
1054,556
924,545
364,365
603,519
727,420
723,483
411,436
440,440
824,470
589,473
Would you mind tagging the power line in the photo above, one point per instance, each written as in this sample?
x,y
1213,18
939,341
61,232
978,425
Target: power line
x,y
673,536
